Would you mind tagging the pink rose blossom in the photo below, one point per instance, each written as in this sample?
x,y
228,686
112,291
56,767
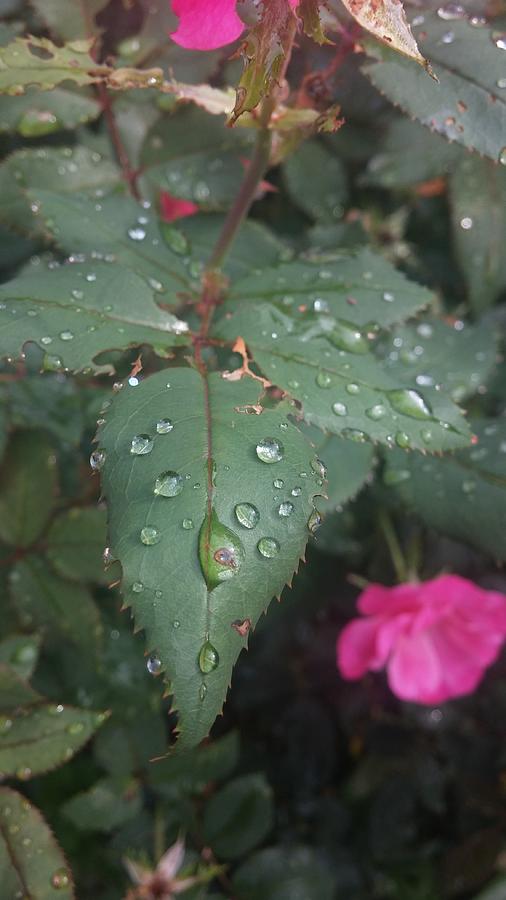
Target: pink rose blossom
x,y
435,639
208,24
172,208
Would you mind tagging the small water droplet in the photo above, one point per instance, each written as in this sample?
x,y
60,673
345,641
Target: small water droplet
x,y
176,623
208,658
285,509
150,536
356,435
60,879
270,450
268,547
346,336
324,380
409,403
202,691
154,664
296,491
187,524
466,223
66,335
75,728
502,157
176,240
97,459
247,515
137,587
168,484
402,439
141,445
278,483
339,409
314,521
163,426
448,37
388,297
499,39
136,234
376,412
352,388
451,11
426,435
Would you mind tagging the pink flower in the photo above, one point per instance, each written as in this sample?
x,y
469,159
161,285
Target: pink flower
x,y
172,208
208,24
435,639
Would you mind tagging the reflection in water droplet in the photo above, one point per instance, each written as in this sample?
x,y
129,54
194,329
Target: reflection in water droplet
x,y
324,380
285,509
402,439
388,297
339,409
208,658
154,664
409,403
168,484
451,11
97,459
150,536
247,515
270,450
141,445
163,426
268,547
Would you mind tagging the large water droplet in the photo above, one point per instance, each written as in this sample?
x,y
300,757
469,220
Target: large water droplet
x,y
220,551
268,547
285,509
141,445
409,403
346,336
163,426
97,459
270,450
339,409
150,536
247,515
168,484
154,664
208,658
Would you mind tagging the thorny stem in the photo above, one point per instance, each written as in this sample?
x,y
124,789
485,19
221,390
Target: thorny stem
x,y
129,174
393,544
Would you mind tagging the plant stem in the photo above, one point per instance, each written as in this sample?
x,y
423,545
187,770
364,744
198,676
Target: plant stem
x,y
394,547
129,174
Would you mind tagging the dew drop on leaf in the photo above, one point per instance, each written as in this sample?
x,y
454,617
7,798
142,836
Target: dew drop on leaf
x,y
319,467
141,445
163,426
208,658
339,409
247,515
187,524
66,335
270,450
220,551
314,521
136,234
324,380
402,440
168,484
409,403
376,412
60,879
352,388
97,459
150,536
346,336
154,664
137,587
296,491
285,509
268,547
278,483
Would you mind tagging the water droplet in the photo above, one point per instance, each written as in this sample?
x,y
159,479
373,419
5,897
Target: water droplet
x,y
324,380
502,157
270,450
448,37
150,536
97,459
208,658
426,435
107,557
352,388
451,11
388,297
163,426
376,412
176,623
202,691
285,509
501,83
168,484
319,467
402,439
296,491
314,521
176,240
136,234
5,724
396,476
409,403
247,515
339,409
268,547
141,445
346,336
355,434
66,335
499,40
320,306
154,664
220,551
466,223
468,486
137,587
187,524
278,483
75,728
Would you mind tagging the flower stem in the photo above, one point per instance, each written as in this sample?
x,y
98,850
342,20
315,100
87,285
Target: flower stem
x,y
394,547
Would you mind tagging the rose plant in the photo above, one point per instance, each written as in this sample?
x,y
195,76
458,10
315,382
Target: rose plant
x,y
252,263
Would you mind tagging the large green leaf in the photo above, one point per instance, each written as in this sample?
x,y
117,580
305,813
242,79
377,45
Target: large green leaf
x,y
49,402
284,873
76,542
31,861
77,311
362,288
325,364
27,488
467,105
478,201
316,181
206,532
239,817
108,804
462,495
34,114
408,153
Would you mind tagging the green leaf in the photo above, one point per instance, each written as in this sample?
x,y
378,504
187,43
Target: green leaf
x,y
31,861
462,495
37,61
76,542
239,817
309,12
192,771
21,652
63,169
349,465
14,693
408,154
117,227
325,364
79,310
107,805
33,114
159,504
316,181
459,358
478,203
47,402
255,245
282,873
176,159
37,738
467,104
44,600
362,288
70,19
27,488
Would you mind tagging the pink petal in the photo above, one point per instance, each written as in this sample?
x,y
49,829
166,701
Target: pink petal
x,y
389,600
461,672
206,24
356,648
414,671
172,208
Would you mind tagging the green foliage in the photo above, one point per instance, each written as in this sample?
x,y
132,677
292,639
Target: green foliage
x,y
277,874
25,504
239,816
